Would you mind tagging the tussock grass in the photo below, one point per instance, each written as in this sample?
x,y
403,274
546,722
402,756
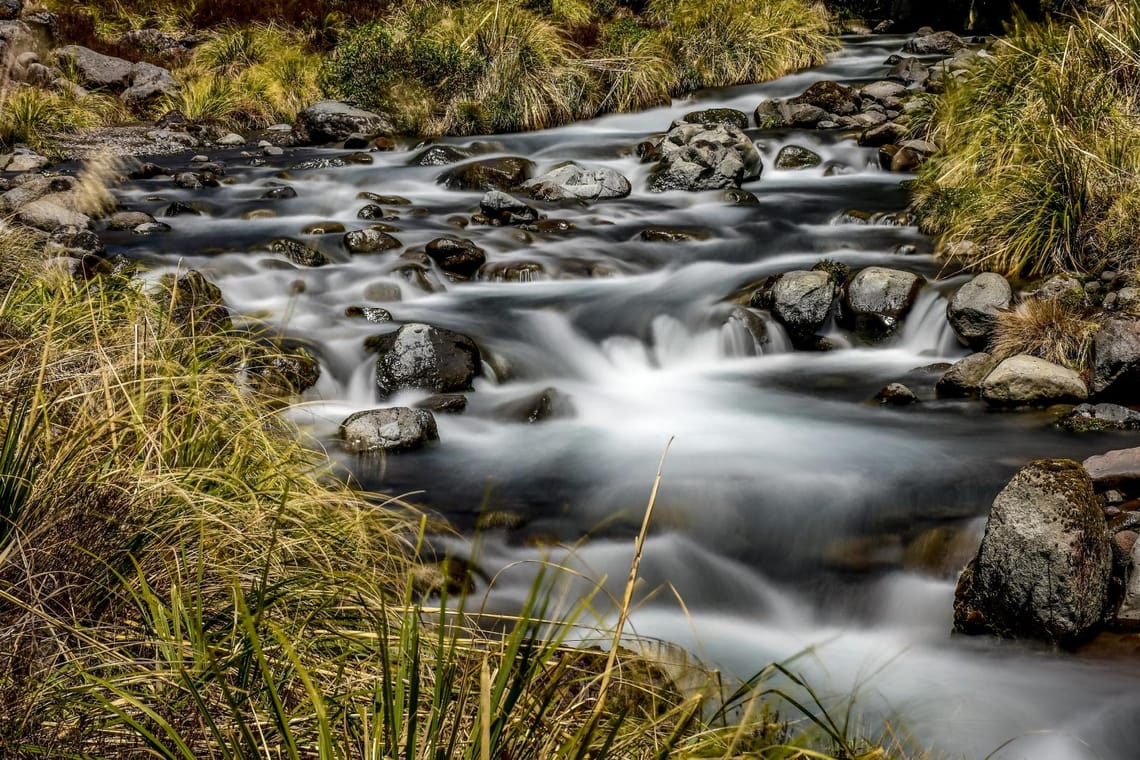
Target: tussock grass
x,y
33,116
1054,329
1039,164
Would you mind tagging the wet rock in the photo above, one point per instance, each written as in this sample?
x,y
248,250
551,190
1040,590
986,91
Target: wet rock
x,y
373,314
695,157
1030,381
334,121
876,300
422,356
506,174
388,430
444,403
795,157
884,134
965,378
547,404
372,212
1114,468
323,228
1044,565
503,209
385,200
188,180
319,163
1116,361
864,554
513,271
1087,418
801,301
938,43
298,252
370,241
573,182
776,114
973,310
285,372
456,256
911,72
739,197
896,394
440,155
382,291
194,302
672,235
729,116
76,242
831,97
128,220
151,228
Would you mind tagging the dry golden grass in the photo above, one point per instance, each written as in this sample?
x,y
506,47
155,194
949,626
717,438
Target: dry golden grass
x,y
1049,329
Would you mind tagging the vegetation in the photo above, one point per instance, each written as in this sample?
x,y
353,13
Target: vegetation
x,y
31,116
1039,165
1059,330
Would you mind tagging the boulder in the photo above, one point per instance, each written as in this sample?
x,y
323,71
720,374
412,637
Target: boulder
x,y
440,155
695,157
504,209
573,182
795,157
10,9
1128,615
1116,361
1087,418
830,97
284,372
883,91
426,357
896,394
47,215
334,121
777,114
1031,381
456,256
938,43
22,160
95,70
912,72
128,220
965,378
876,299
507,173
148,84
729,116
884,134
194,303
298,252
973,309
370,241
1045,561
1114,467
801,301
388,430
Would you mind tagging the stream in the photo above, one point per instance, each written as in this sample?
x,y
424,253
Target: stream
x,y
795,518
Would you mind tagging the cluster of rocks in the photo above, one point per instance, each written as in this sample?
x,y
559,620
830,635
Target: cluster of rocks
x,y
1060,558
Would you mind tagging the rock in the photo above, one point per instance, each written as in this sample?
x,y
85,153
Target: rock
x,y
911,72
298,252
776,114
323,228
513,271
148,84
22,160
672,235
286,372
456,256
801,301
1044,565
153,41
906,160
95,70
695,157
795,157
194,302
1114,467
422,356
1030,381
547,404
76,242
373,212
831,97
503,209
883,91
32,190
370,241
38,75
128,220
876,299
938,43
334,121
965,378
896,394
373,314
444,403
1116,361
440,155
1128,615
1087,418
506,174
573,182
188,180
47,215
233,139
884,134
10,9
973,310
729,116
388,430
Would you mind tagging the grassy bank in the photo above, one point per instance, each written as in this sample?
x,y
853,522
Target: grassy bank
x,y
473,67
1039,162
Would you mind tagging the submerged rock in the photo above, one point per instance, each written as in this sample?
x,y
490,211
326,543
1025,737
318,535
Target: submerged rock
x,y
547,404
422,356
506,174
388,430
1043,568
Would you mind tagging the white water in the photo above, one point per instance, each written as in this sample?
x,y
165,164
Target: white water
x,y
777,458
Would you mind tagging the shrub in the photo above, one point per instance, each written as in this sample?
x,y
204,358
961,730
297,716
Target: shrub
x,y
1039,164
1055,329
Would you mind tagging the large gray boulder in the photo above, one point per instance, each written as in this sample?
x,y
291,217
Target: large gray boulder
x,y
938,43
425,357
334,121
776,113
1116,361
95,70
876,300
48,215
149,84
1043,568
831,97
697,157
573,182
801,301
388,430
973,309
965,378
1031,381
505,173
22,160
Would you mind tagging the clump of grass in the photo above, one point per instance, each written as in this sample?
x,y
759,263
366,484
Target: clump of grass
x,y
1055,329
1039,165
35,117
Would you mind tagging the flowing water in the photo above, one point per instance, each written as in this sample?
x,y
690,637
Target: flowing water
x,y
794,516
